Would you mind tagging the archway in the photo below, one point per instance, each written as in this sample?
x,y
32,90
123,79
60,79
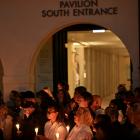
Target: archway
x,y
108,49
98,61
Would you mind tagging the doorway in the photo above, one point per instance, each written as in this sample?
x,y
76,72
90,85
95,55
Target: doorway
x,y
78,56
98,60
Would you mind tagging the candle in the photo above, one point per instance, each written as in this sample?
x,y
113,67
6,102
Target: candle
x,y
36,130
17,126
68,128
57,135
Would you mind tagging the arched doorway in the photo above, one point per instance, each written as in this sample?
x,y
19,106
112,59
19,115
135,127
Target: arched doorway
x,y
76,55
99,61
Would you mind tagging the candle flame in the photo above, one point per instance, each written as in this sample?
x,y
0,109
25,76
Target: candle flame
x,y
68,128
36,130
57,135
17,126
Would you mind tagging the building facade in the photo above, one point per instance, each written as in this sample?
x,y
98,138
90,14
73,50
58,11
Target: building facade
x,y
28,28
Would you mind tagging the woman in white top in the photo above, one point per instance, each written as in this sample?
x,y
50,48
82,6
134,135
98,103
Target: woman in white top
x,y
82,130
54,129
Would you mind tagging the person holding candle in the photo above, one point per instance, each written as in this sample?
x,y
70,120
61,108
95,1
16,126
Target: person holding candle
x,y
27,124
36,131
82,130
55,124
17,126
55,128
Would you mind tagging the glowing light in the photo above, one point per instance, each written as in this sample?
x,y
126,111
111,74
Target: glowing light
x,y
99,31
17,126
57,135
36,130
68,128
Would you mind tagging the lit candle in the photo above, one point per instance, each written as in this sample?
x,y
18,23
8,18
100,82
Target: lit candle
x,y
36,130
57,135
17,126
68,128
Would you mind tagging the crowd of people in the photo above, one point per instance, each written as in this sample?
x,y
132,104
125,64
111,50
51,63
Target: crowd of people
x,y
48,116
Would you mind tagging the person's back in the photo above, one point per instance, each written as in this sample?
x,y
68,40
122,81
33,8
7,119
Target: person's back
x,y
103,127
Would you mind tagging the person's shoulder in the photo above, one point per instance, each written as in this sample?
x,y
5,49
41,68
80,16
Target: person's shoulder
x,y
62,126
47,123
85,128
85,134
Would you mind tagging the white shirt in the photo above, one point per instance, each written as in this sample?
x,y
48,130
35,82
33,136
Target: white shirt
x,y
51,129
81,132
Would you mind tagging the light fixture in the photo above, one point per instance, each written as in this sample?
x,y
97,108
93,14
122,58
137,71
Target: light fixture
x,y
76,43
98,31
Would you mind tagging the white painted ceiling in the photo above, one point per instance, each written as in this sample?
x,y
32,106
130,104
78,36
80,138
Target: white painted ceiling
x,y
106,41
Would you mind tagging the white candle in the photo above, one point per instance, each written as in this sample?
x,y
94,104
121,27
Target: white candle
x,y
57,135
36,130
17,126
68,128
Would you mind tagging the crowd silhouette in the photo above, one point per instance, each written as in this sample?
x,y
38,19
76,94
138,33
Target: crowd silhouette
x,y
45,115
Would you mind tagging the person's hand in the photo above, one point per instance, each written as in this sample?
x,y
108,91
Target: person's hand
x,y
49,92
19,133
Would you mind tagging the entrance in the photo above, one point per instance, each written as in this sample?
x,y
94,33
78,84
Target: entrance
x,y
98,60
79,55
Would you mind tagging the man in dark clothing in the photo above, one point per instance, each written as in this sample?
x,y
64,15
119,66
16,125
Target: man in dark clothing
x,y
30,119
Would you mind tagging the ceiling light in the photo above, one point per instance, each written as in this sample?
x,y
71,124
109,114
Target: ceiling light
x,y
76,43
99,31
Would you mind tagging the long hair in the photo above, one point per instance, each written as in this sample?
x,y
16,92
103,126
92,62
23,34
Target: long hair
x,y
85,116
54,107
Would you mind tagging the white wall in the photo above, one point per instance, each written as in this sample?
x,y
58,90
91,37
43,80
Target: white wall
x,y
23,30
